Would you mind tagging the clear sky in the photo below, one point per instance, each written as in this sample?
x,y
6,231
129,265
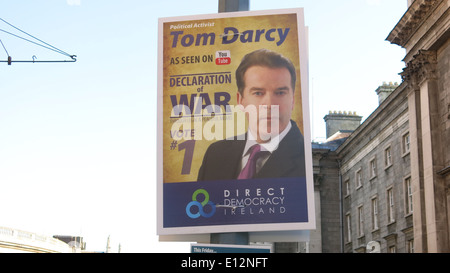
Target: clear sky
x,y
78,140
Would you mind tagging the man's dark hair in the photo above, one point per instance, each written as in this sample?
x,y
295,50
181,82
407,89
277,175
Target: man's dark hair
x,y
265,58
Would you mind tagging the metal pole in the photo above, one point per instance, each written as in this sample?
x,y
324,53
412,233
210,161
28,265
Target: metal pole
x,y
233,238
233,5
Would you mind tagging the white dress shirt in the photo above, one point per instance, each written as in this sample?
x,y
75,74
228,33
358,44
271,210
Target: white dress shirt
x,y
270,147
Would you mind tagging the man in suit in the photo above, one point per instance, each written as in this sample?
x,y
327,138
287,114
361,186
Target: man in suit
x,y
273,145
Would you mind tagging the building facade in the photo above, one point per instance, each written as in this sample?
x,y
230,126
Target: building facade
x,y
327,238
19,241
388,179
424,31
376,180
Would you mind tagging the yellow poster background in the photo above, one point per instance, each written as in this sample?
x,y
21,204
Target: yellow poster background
x,y
190,60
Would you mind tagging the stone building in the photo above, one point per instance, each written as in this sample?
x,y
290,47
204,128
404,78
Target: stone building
x,y
376,180
20,241
424,31
327,238
340,123
384,185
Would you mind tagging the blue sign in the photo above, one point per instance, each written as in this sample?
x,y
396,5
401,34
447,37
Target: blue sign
x,y
235,202
211,248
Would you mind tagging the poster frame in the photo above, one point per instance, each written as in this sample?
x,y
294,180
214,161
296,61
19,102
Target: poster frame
x,y
303,52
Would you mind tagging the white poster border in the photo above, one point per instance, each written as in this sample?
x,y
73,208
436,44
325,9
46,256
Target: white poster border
x,y
303,52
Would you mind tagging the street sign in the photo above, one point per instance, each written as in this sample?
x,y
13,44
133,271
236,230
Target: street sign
x,y
219,248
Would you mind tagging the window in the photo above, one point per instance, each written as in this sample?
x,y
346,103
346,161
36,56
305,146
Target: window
x,y
374,213
373,168
410,246
408,196
405,143
392,249
349,227
390,202
358,179
360,221
347,187
387,157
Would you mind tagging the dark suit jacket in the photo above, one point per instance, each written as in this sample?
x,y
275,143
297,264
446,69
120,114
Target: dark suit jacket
x,y
222,159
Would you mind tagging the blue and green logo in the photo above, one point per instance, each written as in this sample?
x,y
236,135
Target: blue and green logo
x,y
211,207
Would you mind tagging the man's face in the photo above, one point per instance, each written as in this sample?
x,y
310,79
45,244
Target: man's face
x,y
264,88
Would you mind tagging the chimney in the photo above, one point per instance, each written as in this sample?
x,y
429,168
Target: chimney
x,y
385,90
341,122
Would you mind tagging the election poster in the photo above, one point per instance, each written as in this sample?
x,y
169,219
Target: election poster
x,y
234,147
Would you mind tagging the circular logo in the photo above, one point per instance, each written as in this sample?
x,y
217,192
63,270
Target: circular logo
x,y
200,206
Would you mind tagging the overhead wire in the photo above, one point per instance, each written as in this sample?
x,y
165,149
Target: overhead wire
x,y
7,53
41,44
49,48
4,47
